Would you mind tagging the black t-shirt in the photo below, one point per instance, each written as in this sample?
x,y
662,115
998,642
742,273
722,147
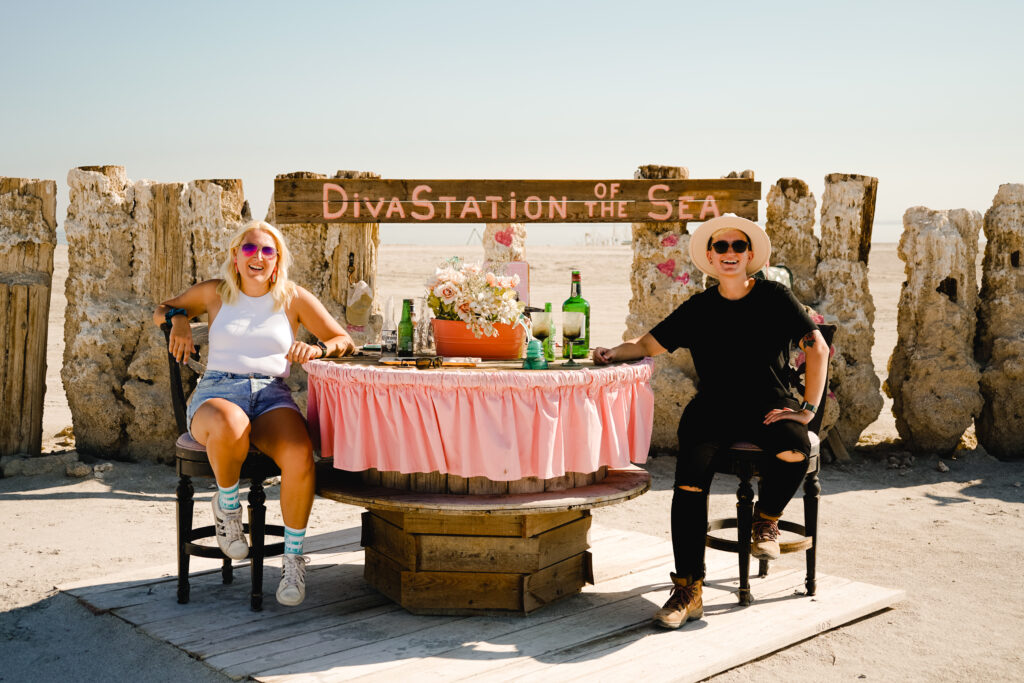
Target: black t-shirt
x,y
740,348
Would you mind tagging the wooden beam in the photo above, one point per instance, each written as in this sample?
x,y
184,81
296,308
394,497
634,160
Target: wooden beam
x,y
302,200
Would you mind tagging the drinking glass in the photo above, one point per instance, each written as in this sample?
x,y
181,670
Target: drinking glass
x,y
572,329
542,323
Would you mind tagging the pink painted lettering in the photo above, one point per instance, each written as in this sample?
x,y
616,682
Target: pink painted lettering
x,y
684,199
447,205
667,206
332,187
421,204
557,206
471,205
537,206
709,206
395,206
374,209
493,201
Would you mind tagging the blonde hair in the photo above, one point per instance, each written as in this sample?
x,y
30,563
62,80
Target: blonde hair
x,y
282,290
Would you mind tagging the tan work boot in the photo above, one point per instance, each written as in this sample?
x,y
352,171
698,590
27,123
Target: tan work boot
x,y
684,604
764,536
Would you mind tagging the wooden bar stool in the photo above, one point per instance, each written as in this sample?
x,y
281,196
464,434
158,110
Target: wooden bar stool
x,y
742,460
191,460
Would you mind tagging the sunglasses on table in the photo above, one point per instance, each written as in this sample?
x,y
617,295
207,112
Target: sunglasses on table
x,y
722,246
249,249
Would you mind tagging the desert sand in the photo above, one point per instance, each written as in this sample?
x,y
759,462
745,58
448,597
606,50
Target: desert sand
x,y
950,536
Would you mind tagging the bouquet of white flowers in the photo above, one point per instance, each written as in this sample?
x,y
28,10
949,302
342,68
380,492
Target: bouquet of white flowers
x,y
464,291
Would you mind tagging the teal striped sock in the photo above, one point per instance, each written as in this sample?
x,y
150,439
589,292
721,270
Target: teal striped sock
x,y
229,497
293,539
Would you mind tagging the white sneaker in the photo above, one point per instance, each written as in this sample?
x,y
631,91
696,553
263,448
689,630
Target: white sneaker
x,y
292,590
229,531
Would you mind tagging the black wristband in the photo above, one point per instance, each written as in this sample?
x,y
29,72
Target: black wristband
x,y
173,312
809,406
323,348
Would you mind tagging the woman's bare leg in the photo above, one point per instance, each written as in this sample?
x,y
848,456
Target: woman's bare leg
x,y
282,435
223,428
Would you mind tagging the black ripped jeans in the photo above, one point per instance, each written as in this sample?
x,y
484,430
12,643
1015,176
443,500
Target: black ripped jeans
x,y
707,426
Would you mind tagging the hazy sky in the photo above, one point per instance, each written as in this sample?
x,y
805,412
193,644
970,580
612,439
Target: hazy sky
x,y
926,96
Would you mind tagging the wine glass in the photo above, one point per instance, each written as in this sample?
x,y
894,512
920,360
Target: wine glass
x,y
572,329
542,324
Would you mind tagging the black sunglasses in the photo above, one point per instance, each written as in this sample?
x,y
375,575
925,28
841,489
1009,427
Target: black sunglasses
x,y
428,362
722,246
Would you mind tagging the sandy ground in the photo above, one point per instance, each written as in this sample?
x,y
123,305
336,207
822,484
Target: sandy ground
x,y
952,540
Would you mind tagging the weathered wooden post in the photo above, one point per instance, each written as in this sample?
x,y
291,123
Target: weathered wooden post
x,y
663,277
132,245
847,216
933,379
28,234
1000,345
790,225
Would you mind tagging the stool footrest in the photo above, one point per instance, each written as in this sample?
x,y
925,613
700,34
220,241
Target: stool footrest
x,y
732,546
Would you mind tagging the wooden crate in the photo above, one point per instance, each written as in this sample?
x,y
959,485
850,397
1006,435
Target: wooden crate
x,y
472,564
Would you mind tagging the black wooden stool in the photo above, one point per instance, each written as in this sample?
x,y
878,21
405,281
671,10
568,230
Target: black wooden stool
x,y
191,461
741,460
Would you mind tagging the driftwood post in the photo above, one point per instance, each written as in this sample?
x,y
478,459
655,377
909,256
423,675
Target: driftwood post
x,y
28,234
847,215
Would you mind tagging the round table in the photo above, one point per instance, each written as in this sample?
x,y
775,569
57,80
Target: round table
x,y
478,482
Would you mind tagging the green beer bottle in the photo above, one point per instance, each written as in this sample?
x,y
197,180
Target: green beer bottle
x,y
405,329
549,343
576,303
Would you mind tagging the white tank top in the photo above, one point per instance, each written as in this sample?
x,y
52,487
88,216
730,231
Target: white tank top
x,y
250,336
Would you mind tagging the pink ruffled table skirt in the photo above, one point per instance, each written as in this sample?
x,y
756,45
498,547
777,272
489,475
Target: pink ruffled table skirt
x,y
504,425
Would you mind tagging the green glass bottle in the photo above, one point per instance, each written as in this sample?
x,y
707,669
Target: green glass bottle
x,y
549,343
577,303
405,329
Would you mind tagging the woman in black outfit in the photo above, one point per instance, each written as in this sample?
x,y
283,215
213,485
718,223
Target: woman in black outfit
x,y
739,333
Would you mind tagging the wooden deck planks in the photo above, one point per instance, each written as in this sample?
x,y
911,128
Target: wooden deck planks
x,y
346,630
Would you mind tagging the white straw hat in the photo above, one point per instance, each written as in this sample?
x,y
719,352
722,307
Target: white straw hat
x,y
759,242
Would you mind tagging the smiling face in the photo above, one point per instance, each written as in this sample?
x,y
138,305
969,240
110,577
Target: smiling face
x,y
730,263
257,269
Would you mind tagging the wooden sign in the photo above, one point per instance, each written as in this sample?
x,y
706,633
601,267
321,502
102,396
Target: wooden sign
x,y
343,200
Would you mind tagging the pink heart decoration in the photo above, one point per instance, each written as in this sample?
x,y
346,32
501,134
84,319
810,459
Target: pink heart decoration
x,y
669,240
504,237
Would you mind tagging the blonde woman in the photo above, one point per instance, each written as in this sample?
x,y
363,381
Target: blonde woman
x,y
254,313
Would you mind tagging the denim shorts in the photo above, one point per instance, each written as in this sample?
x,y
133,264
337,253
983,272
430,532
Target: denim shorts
x,y
255,394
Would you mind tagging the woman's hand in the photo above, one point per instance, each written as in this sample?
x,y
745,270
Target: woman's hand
x,y
180,345
801,416
634,349
300,352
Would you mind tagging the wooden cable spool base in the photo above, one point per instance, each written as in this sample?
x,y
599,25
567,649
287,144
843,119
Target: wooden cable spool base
x,y
445,553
